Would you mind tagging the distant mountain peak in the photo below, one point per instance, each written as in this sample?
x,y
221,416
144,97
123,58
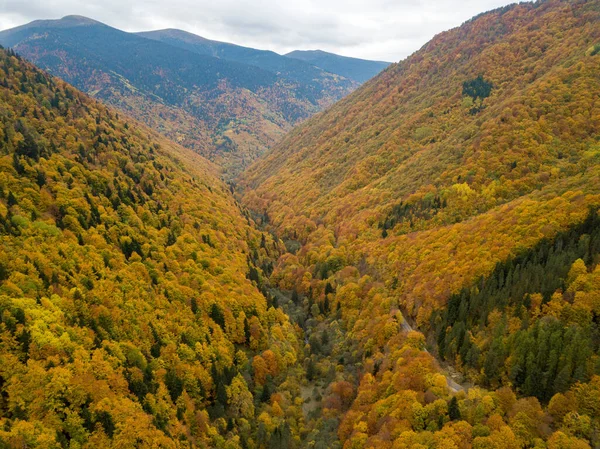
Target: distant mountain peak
x,y
78,20
248,97
186,36
307,54
315,51
357,69
69,21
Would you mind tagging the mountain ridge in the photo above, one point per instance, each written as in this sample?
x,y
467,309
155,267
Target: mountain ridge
x,y
68,20
228,111
358,69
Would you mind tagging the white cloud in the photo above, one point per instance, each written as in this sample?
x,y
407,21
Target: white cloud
x,y
372,29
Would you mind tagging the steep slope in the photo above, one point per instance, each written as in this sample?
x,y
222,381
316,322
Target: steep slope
x,y
227,111
356,69
129,309
467,155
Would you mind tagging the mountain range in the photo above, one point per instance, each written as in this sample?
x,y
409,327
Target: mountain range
x,y
227,102
294,66
416,266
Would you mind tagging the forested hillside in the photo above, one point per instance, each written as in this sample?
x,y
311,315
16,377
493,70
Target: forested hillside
x,y
417,267
533,321
130,308
460,188
230,111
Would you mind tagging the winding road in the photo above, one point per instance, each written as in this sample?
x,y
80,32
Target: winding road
x,y
453,386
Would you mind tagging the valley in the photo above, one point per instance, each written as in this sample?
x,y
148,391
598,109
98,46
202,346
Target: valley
x,y
420,184
226,102
205,245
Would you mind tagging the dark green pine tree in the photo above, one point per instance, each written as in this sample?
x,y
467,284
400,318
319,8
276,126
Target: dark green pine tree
x,y
453,410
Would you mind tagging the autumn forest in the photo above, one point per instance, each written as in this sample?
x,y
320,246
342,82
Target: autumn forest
x,y
412,263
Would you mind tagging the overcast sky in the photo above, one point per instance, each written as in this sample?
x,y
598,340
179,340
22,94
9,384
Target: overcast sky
x,y
373,29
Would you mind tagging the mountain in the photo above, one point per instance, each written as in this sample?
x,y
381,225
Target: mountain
x,y
460,187
292,69
360,70
131,312
228,111
416,267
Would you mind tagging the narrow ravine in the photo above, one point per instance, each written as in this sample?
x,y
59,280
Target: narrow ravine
x,y
315,384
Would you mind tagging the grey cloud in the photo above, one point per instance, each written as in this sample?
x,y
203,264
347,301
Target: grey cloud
x,y
373,29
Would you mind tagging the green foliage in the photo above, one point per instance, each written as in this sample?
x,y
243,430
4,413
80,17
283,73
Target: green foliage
x,y
453,410
477,88
408,215
544,356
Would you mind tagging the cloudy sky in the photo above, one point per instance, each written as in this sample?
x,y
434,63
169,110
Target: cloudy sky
x,y
374,29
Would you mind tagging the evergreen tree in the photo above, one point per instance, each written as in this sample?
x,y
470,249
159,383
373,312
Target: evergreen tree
x,y
453,410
